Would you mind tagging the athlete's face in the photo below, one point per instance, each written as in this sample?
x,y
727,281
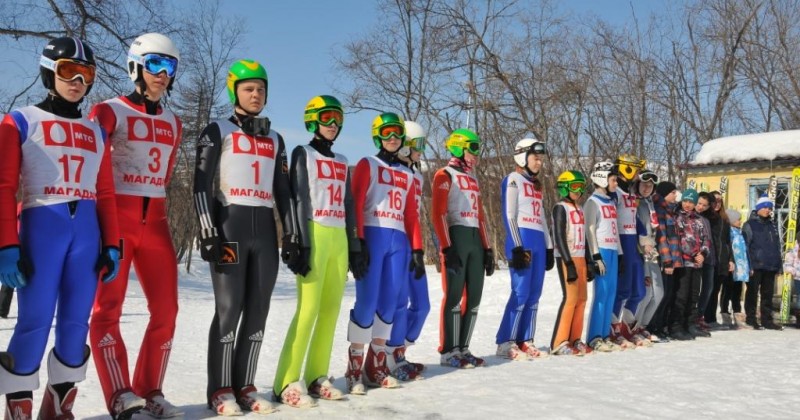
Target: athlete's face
x,y
471,159
574,196
72,90
646,188
156,84
415,155
392,144
612,183
671,197
252,95
328,132
687,205
534,163
702,205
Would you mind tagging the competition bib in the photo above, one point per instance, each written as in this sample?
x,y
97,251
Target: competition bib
x,y
628,204
246,167
387,194
327,182
576,240
529,203
463,200
607,233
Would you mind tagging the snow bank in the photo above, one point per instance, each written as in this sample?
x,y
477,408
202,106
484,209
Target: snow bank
x,y
749,147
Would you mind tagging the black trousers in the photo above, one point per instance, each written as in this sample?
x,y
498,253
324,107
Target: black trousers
x,y
662,314
688,285
763,282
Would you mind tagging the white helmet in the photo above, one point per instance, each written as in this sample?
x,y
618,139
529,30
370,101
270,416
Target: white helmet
x,y
601,172
151,43
526,146
414,132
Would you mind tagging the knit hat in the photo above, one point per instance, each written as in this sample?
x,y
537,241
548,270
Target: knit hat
x,y
733,215
689,194
763,203
665,187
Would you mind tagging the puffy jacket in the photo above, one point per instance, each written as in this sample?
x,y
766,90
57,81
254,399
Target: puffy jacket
x,y
763,243
691,228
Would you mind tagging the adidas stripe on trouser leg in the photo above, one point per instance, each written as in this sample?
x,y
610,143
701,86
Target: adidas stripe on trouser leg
x,y
244,288
147,246
319,298
569,321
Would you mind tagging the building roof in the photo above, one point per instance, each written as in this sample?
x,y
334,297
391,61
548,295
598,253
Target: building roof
x,y
777,145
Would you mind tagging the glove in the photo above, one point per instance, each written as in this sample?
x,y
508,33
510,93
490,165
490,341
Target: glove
x,y
591,268
520,258
12,268
359,261
599,266
488,261
621,266
550,260
210,249
290,250
572,273
108,263
452,261
417,264
299,264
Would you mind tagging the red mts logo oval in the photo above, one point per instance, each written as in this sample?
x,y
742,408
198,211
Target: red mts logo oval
x,y
150,130
250,145
467,183
68,134
329,169
609,212
530,191
389,176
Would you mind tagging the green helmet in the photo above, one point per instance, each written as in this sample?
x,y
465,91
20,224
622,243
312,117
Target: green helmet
x,y
573,181
314,115
462,139
384,128
245,70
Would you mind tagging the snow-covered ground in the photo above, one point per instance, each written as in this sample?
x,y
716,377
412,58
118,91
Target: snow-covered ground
x,y
734,375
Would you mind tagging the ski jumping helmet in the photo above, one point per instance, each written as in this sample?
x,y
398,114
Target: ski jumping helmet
x,y
527,147
628,165
601,172
570,181
154,53
386,126
461,140
245,70
323,110
415,139
71,50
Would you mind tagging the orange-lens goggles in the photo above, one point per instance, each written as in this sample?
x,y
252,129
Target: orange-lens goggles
x,y
68,70
576,187
388,131
327,117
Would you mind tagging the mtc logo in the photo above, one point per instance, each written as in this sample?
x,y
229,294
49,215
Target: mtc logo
x,y
67,134
467,183
530,191
576,217
609,212
260,146
151,130
330,169
388,176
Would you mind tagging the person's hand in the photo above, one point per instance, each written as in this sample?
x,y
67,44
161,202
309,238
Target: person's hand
x,y
648,282
732,266
108,263
359,261
699,258
12,267
290,250
417,264
550,260
211,249
488,261
452,262
621,264
572,273
520,258
600,266
300,264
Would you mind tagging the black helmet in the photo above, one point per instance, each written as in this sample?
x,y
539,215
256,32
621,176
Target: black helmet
x,y
64,47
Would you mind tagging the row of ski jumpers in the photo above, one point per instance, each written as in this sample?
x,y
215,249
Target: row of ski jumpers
x,y
93,203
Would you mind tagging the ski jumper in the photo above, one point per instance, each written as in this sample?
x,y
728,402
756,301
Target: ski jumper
x,y
68,212
413,310
238,180
324,207
458,220
570,246
387,219
600,213
143,155
647,217
526,226
630,285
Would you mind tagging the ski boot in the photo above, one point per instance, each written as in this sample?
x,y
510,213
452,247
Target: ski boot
x,y
531,350
454,359
509,350
295,395
323,389
354,373
223,402
376,372
55,407
159,408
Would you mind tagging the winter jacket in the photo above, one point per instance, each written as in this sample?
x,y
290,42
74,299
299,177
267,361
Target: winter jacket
x,y
711,258
669,244
791,262
693,236
741,272
763,243
721,237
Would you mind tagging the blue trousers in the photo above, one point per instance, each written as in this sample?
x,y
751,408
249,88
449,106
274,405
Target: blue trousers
x,y
630,287
63,250
382,286
519,318
413,306
605,289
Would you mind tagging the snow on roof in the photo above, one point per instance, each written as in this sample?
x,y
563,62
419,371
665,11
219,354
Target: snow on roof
x,y
750,147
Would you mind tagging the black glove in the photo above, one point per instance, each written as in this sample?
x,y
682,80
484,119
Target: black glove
x,y
108,263
520,258
591,270
290,250
300,264
572,273
452,261
488,261
621,266
417,264
210,249
550,260
359,261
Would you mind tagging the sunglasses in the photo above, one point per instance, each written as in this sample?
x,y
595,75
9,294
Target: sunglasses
x,y
649,177
417,144
576,187
69,70
388,131
329,116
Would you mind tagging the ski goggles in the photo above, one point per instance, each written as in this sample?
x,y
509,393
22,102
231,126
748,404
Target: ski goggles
x,y
157,63
388,131
649,177
576,186
535,148
417,144
68,70
329,116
